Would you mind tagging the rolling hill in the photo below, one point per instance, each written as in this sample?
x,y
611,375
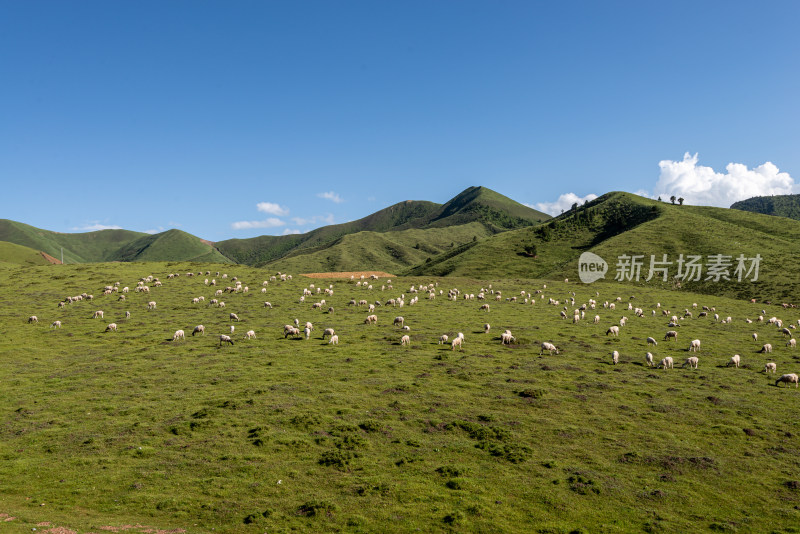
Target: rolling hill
x,y
619,224
778,205
172,245
13,253
493,213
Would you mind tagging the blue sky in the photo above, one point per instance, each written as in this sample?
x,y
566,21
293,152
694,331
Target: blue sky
x,y
236,119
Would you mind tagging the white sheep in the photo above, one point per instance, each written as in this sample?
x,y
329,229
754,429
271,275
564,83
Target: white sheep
x,y
734,361
457,342
755,336
328,332
111,327
127,315
334,340
649,359
792,343
443,339
770,367
151,305
179,334
234,317
484,307
250,334
225,339
199,329
613,330
268,304
651,341
371,319
97,315
405,340
672,334
691,361
790,378
233,328
56,324
506,338
596,319
615,357
666,363
486,328
399,320
695,346
549,347
766,348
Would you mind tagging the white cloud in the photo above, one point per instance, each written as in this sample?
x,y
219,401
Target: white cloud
x,y
272,209
564,203
272,222
290,231
93,227
300,221
703,186
330,195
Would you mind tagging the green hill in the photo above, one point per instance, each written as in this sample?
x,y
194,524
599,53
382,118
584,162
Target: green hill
x,y
495,212
778,205
619,224
172,245
13,253
78,248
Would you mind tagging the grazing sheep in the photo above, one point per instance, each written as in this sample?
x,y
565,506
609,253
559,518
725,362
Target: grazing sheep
x,y
651,341
328,332
792,343
786,332
766,348
97,315
457,342
127,315
596,319
199,329
406,328
334,340
405,340
695,346
666,363
371,319
615,357
484,307
151,305
613,330
549,347
755,336
250,334
649,359
790,378
506,338
486,328
225,339
234,317
691,361
56,324
443,339
671,334
111,328
179,334
770,367
232,329
268,305
399,320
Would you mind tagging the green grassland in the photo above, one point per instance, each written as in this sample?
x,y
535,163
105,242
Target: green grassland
x,y
777,205
272,434
13,253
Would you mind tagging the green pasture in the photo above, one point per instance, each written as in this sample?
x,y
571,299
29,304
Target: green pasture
x,y
106,429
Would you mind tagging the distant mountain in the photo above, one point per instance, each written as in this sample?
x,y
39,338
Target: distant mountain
x,y
778,205
172,245
493,213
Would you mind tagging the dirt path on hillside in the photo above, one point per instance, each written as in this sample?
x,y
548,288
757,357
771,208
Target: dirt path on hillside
x,y
50,258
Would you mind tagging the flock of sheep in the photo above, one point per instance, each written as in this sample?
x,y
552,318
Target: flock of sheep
x,y
579,312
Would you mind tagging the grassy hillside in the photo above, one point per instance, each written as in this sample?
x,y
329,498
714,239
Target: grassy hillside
x,y
13,253
172,245
492,210
103,430
78,248
778,205
620,223
389,251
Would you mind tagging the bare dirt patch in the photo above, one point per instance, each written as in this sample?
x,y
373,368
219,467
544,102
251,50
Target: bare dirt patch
x,y
50,258
355,274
